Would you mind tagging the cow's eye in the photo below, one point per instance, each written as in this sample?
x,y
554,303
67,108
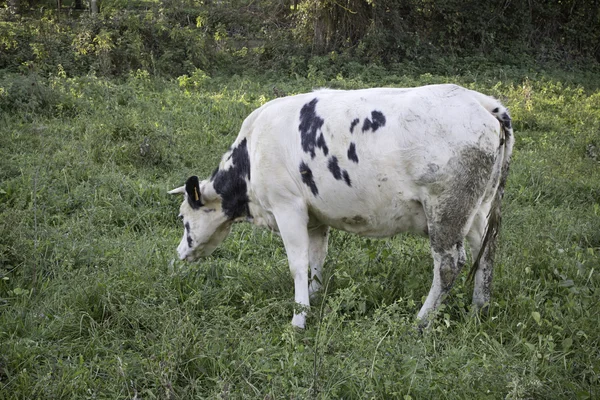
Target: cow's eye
x,y
180,216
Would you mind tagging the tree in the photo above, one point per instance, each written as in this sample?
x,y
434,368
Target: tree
x,y
333,24
94,6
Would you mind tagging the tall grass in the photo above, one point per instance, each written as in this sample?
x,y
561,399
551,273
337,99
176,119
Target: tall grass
x,y
94,303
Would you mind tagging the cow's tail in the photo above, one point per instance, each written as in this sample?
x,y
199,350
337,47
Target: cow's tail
x,y
503,162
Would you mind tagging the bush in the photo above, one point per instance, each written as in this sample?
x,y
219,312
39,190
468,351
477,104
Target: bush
x,y
174,37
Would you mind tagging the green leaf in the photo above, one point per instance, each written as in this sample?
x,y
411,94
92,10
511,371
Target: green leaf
x,y
566,283
537,317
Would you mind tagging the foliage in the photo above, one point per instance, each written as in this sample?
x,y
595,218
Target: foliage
x,y
94,303
392,30
174,37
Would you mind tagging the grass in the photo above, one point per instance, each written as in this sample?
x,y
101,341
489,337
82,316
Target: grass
x,y
94,303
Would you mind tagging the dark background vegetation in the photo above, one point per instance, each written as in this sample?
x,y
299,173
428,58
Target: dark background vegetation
x,y
174,37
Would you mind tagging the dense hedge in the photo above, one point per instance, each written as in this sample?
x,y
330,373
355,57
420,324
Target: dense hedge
x,y
398,29
173,37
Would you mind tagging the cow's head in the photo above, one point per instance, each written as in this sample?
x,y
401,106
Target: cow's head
x,y
205,223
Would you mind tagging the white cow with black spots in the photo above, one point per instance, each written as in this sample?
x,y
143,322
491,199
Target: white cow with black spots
x,y
431,160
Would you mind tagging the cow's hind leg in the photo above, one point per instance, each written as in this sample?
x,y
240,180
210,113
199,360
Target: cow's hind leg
x,y
447,227
292,224
449,217
448,263
318,238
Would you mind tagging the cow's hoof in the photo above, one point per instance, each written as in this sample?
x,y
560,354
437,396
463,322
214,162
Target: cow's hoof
x,y
299,321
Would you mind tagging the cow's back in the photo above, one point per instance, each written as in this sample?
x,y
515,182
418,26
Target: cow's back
x,y
365,161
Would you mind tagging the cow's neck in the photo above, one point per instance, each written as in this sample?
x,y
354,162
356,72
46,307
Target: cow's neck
x,y
231,181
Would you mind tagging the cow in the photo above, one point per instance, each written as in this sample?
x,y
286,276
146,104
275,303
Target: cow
x,y
431,160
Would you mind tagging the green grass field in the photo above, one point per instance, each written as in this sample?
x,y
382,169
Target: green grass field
x,y
94,303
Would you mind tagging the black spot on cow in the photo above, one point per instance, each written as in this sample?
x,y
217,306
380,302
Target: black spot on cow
x,y
346,178
353,124
241,160
187,231
231,184
307,178
352,153
334,167
337,172
321,143
377,121
431,176
310,125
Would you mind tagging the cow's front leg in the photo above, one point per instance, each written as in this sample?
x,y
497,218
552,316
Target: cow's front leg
x,y
292,224
318,238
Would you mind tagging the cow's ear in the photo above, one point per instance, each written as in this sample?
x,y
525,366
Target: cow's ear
x,y
192,189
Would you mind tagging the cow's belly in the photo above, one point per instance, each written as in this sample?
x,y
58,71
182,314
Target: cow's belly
x,y
380,222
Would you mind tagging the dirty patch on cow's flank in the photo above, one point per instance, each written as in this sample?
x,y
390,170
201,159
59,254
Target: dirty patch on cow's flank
x,y
470,171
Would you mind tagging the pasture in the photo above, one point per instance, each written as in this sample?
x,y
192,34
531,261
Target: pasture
x,y
94,303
